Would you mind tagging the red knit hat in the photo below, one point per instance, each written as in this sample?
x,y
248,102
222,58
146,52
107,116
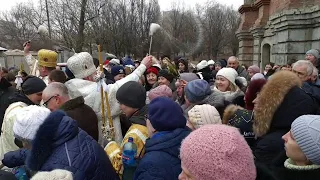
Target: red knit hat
x,y
106,62
152,70
254,87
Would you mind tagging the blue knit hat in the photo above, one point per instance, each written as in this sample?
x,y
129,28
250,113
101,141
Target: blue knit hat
x,y
306,131
197,90
165,114
116,70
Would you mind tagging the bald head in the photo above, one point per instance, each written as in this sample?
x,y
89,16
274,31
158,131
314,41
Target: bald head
x,y
55,95
233,62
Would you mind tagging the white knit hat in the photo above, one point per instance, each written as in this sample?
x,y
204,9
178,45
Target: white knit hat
x,y
57,174
201,115
203,64
228,73
81,65
211,62
28,121
115,61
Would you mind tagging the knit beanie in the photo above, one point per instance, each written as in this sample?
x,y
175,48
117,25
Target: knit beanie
x,y
197,90
228,73
201,115
28,121
152,70
160,91
165,114
203,64
33,85
116,70
313,52
132,94
81,65
188,76
253,89
254,69
57,174
257,76
166,74
217,152
306,131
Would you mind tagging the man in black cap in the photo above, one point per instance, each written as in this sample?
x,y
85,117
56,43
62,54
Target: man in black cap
x,y
31,94
132,100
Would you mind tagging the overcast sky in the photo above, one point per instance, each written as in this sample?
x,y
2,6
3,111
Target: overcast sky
x,y
164,4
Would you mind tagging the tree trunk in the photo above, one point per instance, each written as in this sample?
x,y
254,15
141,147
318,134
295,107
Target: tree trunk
x,y
80,41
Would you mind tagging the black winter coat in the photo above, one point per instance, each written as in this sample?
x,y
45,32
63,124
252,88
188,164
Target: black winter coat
x,y
6,90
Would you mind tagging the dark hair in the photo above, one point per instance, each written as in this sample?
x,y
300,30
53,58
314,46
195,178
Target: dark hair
x,y
10,76
185,63
24,74
58,76
96,62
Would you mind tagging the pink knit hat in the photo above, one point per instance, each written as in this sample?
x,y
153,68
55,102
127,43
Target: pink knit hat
x,y
217,152
254,69
160,91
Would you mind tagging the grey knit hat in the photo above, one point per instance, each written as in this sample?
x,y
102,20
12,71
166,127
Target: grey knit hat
x,y
313,52
306,131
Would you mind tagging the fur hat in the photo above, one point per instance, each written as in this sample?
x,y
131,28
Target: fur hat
x,y
165,114
217,152
81,65
160,91
47,58
203,64
28,121
201,115
210,62
57,174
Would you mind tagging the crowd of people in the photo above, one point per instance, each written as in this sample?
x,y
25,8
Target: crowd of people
x,y
217,119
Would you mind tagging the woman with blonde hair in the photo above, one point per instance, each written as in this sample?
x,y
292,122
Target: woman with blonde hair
x,y
225,84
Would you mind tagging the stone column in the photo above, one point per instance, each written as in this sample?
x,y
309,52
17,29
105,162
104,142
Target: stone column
x,y
249,15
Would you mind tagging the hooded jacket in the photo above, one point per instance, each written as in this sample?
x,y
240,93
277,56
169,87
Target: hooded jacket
x,y
61,144
161,160
84,115
241,119
280,102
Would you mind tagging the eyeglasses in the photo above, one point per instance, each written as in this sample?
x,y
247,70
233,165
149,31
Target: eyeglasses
x,y
45,104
